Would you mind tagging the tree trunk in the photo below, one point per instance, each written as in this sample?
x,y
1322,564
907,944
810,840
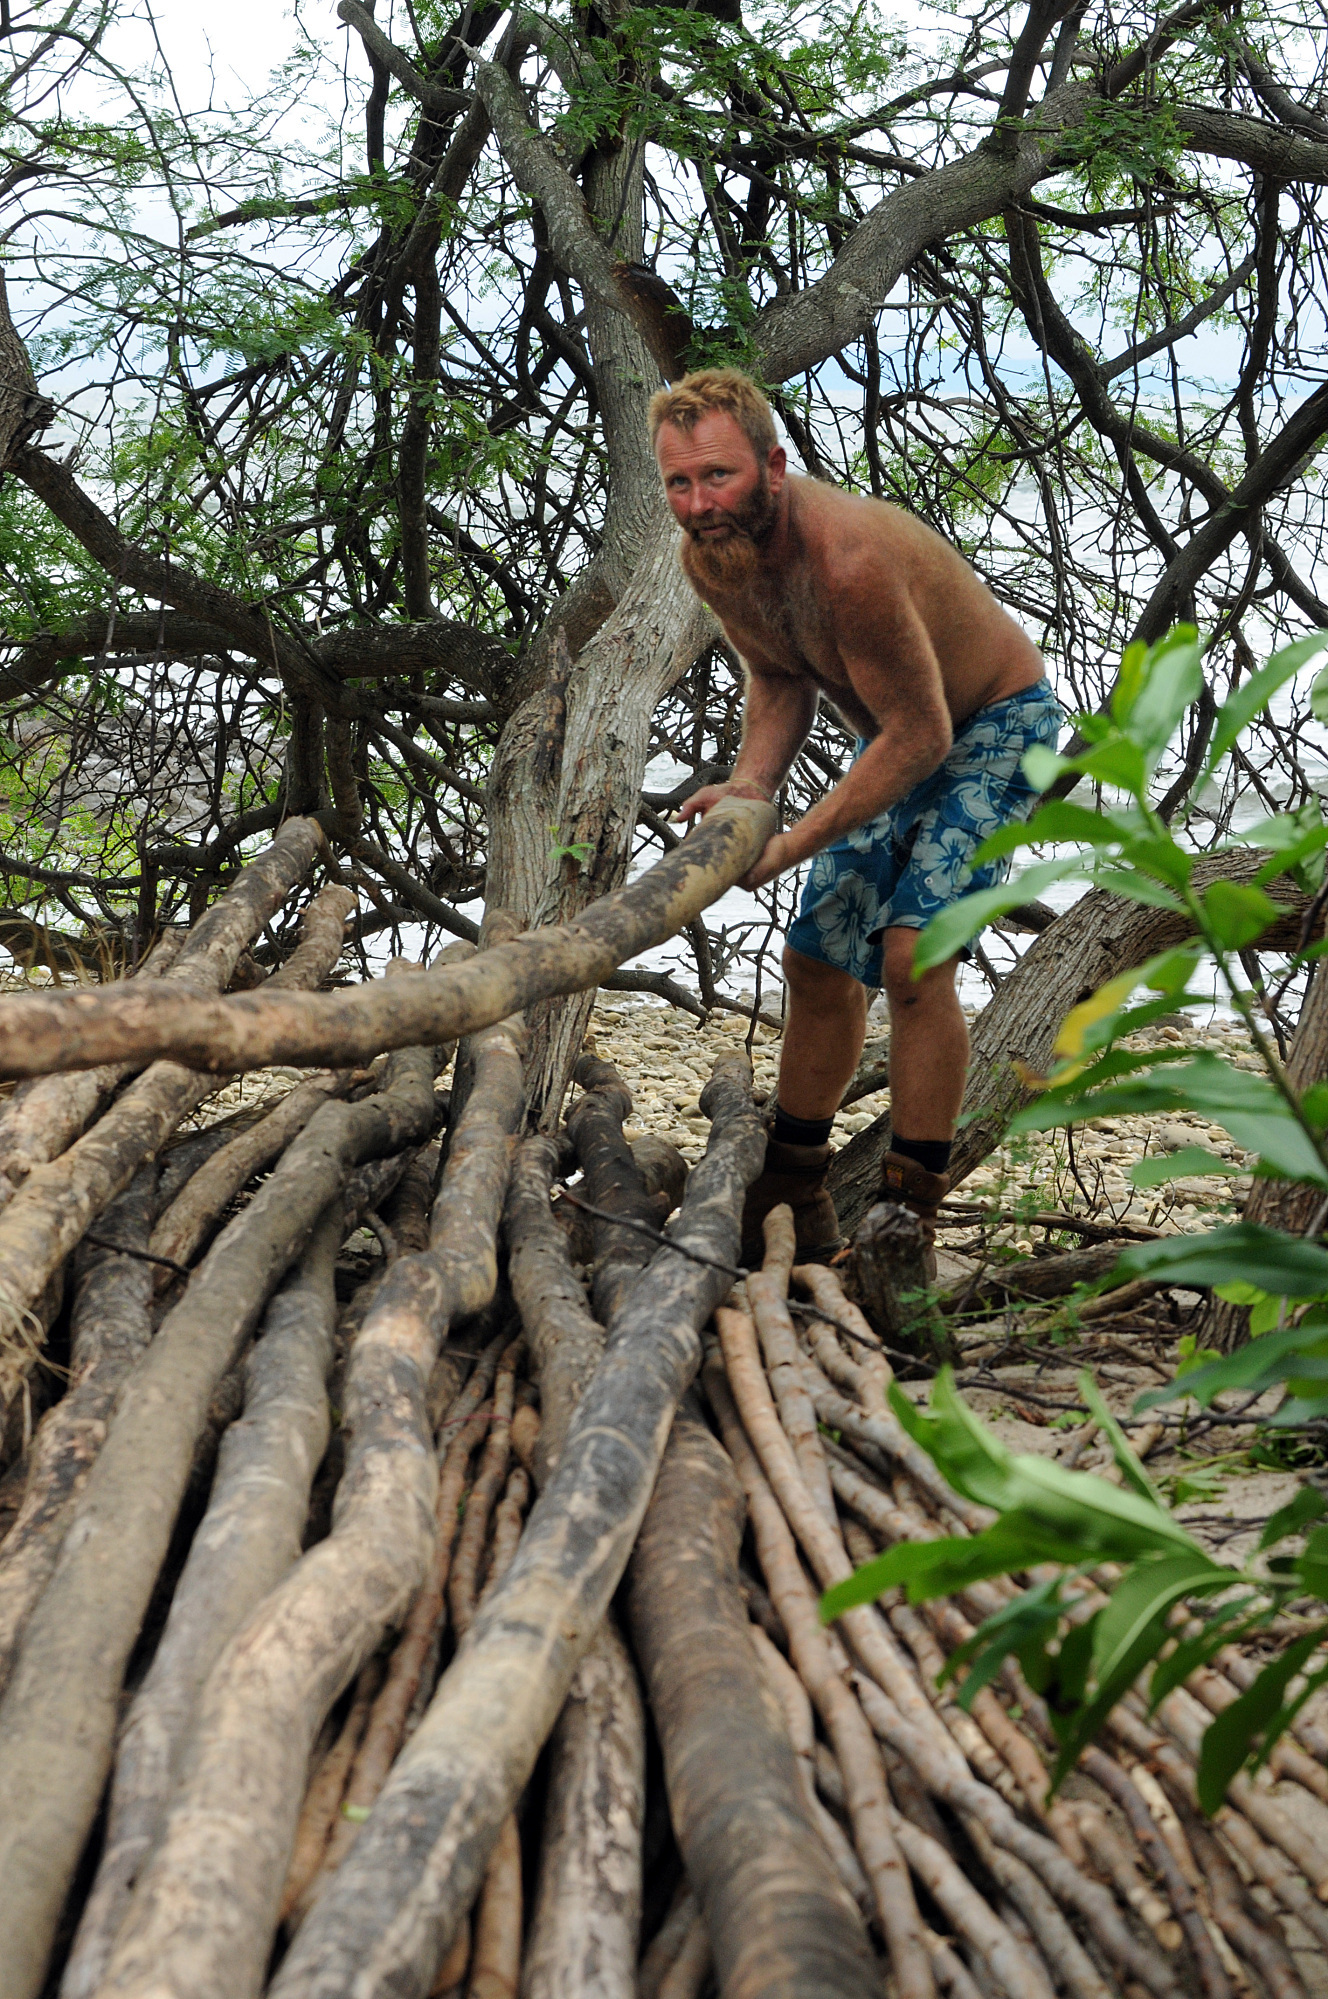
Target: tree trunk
x,y
1291,1205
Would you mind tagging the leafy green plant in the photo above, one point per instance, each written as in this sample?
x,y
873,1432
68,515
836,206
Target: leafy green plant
x,y
1083,1660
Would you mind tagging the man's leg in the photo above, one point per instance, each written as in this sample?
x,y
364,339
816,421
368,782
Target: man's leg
x,y
825,1024
928,1066
928,1043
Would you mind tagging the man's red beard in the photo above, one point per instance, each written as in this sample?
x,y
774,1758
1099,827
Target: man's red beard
x,y
728,564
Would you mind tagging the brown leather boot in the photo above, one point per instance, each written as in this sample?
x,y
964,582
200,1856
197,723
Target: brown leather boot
x,y
904,1181
794,1174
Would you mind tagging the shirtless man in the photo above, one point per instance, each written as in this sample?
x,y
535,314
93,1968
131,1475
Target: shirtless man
x,y
822,593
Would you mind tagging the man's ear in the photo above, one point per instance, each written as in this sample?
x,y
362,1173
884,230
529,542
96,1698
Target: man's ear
x,y
777,466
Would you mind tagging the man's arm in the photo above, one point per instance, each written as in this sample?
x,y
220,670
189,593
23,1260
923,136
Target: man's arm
x,y
894,671
777,719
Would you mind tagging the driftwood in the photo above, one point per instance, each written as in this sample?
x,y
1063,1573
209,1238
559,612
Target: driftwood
x,y
414,1871
111,1326
58,1715
40,1033
1034,1277
779,1922
249,1538
202,1918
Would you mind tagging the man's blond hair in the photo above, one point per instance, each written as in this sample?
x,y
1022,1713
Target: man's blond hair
x,y
710,389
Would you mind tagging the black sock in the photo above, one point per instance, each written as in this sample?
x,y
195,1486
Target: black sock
x,y
933,1153
800,1130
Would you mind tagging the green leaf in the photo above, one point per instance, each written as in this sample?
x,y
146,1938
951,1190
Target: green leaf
x,y
1224,1627
1059,820
941,1568
1241,706
1117,761
1286,1266
1319,696
1309,1504
1189,1163
1259,1364
1042,766
1171,681
1133,1623
1238,912
952,929
1029,1619
1083,1512
1131,1469
1129,681
1162,857
1135,888
1231,1736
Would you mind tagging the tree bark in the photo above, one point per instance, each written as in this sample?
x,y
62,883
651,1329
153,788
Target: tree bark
x,y
413,1873
780,1923
56,1203
111,1326
249,1538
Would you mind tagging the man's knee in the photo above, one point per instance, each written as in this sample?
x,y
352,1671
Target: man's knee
x,y
901,988
813,980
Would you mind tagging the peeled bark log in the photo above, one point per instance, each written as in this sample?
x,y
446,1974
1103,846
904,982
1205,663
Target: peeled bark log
x,y
612,1181
203,1916
565,1341
59,1712
1099,937
399,1900
249,1538
111,1327
57,1202
780,1923
39,1033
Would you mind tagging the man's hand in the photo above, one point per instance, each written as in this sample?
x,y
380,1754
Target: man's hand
x,y
773,860
708,797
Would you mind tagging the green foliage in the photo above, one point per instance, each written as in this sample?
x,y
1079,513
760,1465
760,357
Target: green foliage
x,y
1082,1665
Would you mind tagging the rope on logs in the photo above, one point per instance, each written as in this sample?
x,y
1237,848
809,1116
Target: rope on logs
x,y
445,1623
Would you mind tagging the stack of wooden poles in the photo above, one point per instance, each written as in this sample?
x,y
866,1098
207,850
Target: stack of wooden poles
x,y
446,1622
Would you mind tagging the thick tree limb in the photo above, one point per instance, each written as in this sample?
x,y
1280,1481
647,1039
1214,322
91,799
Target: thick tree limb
x,y
80,1030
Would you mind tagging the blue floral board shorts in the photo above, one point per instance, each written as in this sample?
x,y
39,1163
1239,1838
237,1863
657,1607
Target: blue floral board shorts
x,y
915,859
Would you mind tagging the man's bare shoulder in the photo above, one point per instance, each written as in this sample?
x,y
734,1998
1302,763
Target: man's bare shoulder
x,y
845,532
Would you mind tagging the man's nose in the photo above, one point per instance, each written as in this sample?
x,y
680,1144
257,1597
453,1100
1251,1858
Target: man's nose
x,y
699,502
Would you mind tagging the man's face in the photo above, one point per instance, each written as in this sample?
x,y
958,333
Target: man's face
x,y
718,489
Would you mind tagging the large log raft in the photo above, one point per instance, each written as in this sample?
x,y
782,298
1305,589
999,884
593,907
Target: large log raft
x,y
373,1726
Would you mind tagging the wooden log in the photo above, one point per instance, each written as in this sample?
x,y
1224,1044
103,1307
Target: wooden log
x,y
888,1278
248,1539
195,1211
47,1113
586,1920
57,1202
203,1916
39,1033
110,1327
612,1182
59,1712
399,1899
1034,1277
779,1921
